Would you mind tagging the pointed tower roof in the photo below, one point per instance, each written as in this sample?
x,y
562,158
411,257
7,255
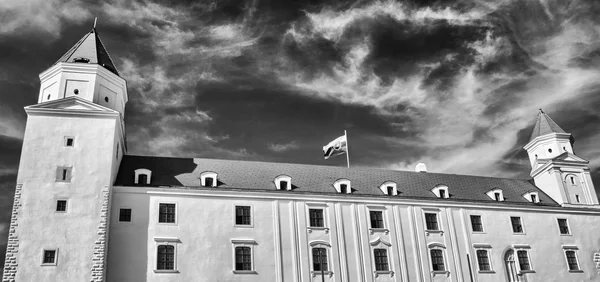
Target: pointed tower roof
x,y
89,49
544,125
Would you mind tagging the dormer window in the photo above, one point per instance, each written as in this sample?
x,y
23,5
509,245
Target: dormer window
x,y
496,194
283,182
208,179
343,186
389,188
532,197
142,176
441,191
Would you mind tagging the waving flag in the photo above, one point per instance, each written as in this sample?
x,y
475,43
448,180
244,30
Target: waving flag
x,y
336,147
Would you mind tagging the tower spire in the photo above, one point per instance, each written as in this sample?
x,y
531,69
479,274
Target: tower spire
x,y
95,19
544,125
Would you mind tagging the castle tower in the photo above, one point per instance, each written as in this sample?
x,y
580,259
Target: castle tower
x,y
554,166
74,141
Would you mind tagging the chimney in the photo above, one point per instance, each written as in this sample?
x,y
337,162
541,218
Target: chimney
x,y
421,167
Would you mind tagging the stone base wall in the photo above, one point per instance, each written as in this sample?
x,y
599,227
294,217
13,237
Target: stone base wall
x,y
101,245
10,263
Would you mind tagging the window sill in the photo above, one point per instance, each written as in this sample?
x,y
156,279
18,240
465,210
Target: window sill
x,y
427,232
168,223
522,233
48,264
479,232
374,230
244,272
315,273
166,271
526,271
380,272
311,229
576,271
487,271
441,272
243,225
566,234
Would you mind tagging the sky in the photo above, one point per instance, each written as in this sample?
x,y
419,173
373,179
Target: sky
x,y
454,84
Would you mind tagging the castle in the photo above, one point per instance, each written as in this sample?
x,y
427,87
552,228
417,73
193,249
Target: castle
x,y
84,210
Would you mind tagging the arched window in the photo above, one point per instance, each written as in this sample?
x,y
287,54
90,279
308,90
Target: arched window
x,y
441,191
208,179
511,267
343,186
142,176
283,182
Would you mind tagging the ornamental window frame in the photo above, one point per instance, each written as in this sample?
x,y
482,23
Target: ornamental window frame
x,y
317,206
249,243
384,188
209,174
169,242
283,178
488,249
438,247
441,191
318,244
343,181
142,171
382,244
523,248
436,212
496,194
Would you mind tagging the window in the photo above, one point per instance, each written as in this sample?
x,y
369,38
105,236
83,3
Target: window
x,y
437,260
124,215
208,182
381,260
142,176
497,196
572,260
563,226
523,260
390,190
577,198
69,141
516,224
476,223
376,219
344,188
283,185
283,182
319,259
243,258
165,257
208,179
533,198
316,217
61,206
166,213
49,257
441,191
63,174
483,260
242,215
431,221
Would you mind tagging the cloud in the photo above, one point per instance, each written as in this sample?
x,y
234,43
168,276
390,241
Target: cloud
x,y
279,148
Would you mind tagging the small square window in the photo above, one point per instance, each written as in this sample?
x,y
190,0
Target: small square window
x,y
61,206
563,226
316,217
442,193
516,224
242,215
49,257
283,185
69,141
431,221
344,188
476,223
390,190
208,182
124,215
376,219
166,213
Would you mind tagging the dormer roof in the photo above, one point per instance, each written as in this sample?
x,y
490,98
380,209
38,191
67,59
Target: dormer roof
x,y
89,49
544,125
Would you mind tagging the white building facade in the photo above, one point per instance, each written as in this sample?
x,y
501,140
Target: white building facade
x,y
84,210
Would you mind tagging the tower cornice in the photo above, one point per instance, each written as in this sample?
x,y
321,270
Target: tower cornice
x,y
547,137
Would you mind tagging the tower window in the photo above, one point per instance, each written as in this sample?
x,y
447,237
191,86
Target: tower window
x,y
69,141
572,180
76,91
106,99
549,150
577,198
61,206
49,257
125,215
48,97
63,174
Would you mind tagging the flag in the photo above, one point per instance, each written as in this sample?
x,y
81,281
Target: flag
x,y
336,147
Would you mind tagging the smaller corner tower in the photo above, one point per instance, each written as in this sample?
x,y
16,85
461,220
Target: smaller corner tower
x,y
555,168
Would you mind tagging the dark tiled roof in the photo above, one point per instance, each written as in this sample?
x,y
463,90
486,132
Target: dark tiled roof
x,y
178,172
544,125
90,47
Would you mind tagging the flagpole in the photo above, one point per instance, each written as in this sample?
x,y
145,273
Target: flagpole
x,y
347,150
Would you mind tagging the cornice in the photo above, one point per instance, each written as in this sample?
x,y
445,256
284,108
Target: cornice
x,y
70,112
546,137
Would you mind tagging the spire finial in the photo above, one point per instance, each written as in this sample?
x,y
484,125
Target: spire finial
x,y
95,19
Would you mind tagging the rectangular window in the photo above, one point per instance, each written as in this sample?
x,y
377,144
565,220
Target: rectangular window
x,y
49,257
523,260
166,213
533,198
572,260
442,193
142,179
316,217
437,260
125,215
483,260
283,185
243,258
63,174
319,259
516,224
165,257
476,223
563,226
242,215
376,219
497,196
69,141
208,182
344,188
390,190
61,206
381,260
431,221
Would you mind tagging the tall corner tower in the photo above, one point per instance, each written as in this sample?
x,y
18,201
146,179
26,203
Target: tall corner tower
x,y
73,144
555,168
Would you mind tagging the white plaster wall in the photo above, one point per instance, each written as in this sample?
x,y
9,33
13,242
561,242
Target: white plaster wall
x,y
73,232
550,182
